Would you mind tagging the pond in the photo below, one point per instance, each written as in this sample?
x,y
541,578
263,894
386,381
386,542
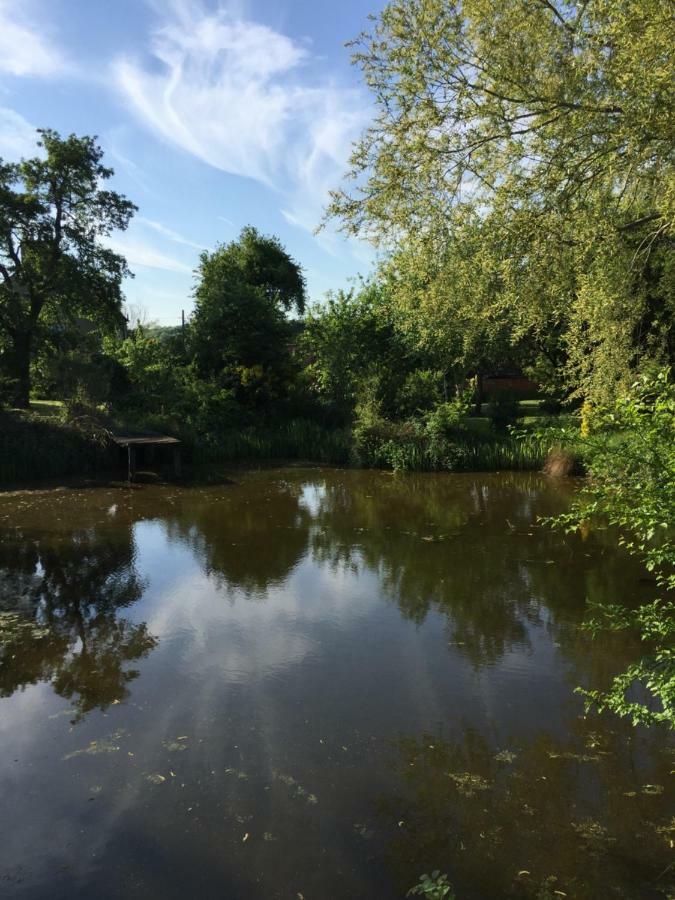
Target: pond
x,y
319,684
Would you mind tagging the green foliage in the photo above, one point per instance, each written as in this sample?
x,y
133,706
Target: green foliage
x,y
630,456
33,447
413,446
240,333
433,887
295,439
520,161
420,392
503,410
54,267
71,362
352,345
447,418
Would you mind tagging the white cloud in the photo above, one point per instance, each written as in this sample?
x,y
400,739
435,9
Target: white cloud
x,y
18,137
241,97
138,253
23,49
168,233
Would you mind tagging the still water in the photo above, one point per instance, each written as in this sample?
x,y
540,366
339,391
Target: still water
x,y
317,684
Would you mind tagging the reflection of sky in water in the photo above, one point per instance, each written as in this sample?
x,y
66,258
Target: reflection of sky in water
x,y
264,690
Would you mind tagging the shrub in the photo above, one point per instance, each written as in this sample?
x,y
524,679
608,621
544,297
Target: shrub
x,y
630,454
503,410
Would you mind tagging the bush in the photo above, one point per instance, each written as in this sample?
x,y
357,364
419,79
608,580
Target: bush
x,y
420,392
7,390
629,450
503,410
32,448
410,446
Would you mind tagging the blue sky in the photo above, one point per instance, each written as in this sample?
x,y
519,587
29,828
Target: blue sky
x,y
213,114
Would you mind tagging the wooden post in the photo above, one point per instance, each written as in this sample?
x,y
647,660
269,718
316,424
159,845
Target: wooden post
x,y
131,457
176,460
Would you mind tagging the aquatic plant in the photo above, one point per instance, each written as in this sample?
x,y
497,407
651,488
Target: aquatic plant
x,y
434,887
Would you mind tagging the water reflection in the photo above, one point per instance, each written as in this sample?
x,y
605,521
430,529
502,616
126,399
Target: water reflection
x,y
247,541
468,549
298,622
62,592
471,549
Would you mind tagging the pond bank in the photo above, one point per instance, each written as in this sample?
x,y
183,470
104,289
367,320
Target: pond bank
x,y
35,448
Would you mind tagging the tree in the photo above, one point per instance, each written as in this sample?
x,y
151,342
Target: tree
x,y
240,332
53,266
547,130
630,454
347,340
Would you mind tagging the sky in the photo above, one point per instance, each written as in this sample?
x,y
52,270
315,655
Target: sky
x,y
214,114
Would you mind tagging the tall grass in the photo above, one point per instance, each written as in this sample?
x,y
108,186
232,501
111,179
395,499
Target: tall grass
x,y
505,452
33,448
297,439
404,450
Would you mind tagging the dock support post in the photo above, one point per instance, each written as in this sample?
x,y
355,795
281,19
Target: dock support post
x,y
131,457
176,461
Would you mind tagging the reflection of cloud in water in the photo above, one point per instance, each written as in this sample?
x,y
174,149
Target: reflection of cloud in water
x,y
242,637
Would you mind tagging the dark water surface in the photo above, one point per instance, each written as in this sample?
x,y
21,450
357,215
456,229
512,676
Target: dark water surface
x,y
319,684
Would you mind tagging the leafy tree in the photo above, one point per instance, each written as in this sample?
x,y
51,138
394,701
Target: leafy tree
x,y
240,331
538,138
351,340
630,452
53,266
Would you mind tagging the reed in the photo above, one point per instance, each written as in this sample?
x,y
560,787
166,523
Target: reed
x,y
463,451
32,448
297,439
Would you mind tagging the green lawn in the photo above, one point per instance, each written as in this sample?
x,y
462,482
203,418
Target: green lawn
x,y
46,408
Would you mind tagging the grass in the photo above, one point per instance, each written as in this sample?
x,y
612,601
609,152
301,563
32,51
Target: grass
x,y
465,452
34,445
297,439
48,409
504,452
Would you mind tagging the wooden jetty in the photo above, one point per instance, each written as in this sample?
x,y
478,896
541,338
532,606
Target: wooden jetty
x,y
147,441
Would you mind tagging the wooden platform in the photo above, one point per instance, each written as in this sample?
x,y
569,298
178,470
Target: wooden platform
x,y
136,440
132,440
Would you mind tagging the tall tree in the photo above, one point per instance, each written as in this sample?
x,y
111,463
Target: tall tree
x,y
53,214
240,330
547,129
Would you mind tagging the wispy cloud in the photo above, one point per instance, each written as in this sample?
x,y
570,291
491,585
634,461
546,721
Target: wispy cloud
x,y
168,233
18,138
242,97
24,50
138,253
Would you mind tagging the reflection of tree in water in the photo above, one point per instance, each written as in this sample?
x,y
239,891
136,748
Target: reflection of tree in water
x,y
67,589
426,537
590,817
249,539
469,548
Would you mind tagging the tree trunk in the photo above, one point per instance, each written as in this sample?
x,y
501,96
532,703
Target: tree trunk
x,y
19,368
